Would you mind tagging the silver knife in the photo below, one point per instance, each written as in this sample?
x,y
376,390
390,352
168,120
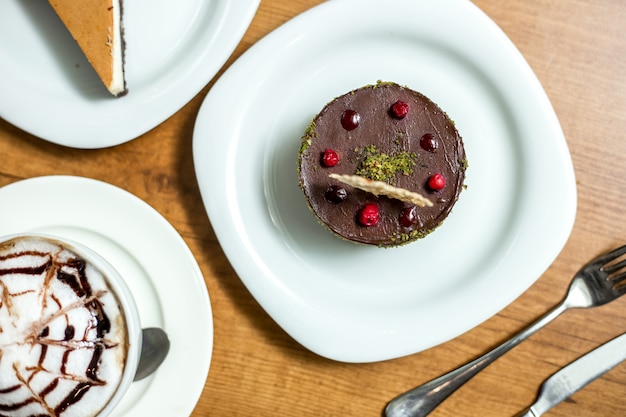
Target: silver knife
x,y
564,383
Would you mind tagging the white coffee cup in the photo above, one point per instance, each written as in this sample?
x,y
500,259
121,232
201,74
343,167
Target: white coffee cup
x,y
84,306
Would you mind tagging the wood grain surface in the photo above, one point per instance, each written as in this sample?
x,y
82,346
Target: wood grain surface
x,y
577,48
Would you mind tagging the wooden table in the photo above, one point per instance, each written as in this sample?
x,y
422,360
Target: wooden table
x,y
578,50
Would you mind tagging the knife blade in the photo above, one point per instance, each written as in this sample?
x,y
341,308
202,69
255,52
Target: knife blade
x,y
571,378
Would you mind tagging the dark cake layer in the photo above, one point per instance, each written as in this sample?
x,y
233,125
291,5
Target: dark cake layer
x,y
382,132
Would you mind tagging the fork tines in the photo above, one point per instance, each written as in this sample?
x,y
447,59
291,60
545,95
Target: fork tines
x,y
614,267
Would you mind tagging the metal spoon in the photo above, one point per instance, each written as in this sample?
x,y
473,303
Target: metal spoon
x,y
154,349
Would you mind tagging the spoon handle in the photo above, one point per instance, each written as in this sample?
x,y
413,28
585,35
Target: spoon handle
x,y
420,401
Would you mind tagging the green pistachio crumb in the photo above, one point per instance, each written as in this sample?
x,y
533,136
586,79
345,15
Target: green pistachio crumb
x,y
309,134
379,166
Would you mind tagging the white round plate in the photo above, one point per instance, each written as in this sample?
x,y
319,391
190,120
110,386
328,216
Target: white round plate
x,y
160,269
355,303
173,49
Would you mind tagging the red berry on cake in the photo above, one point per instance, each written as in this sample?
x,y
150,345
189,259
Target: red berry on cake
x,y
408,216
330,158
350,119
428,142
369,214
399,109
437,182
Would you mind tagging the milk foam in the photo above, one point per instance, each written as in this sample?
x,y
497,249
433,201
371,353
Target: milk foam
x,y
63,339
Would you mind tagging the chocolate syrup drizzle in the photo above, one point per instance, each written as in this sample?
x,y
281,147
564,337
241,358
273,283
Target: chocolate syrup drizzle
x,y
71,273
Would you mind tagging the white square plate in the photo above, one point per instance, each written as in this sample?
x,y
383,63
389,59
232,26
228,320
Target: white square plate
x,y
354,303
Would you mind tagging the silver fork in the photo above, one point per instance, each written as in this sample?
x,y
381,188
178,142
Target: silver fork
x,y
597,283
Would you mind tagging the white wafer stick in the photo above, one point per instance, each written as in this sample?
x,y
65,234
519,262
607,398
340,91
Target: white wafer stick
x,y
382,188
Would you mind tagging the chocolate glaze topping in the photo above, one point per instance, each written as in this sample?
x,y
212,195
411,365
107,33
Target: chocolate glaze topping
x,y
425,134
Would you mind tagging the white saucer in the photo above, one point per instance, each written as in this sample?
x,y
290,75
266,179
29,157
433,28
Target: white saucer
x,y
160,269
173,49
359,304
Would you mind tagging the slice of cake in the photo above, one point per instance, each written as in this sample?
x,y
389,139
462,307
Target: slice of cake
x,y
96,25
382,165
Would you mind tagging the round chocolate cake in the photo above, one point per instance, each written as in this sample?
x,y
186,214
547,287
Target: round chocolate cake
x,y
382,165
